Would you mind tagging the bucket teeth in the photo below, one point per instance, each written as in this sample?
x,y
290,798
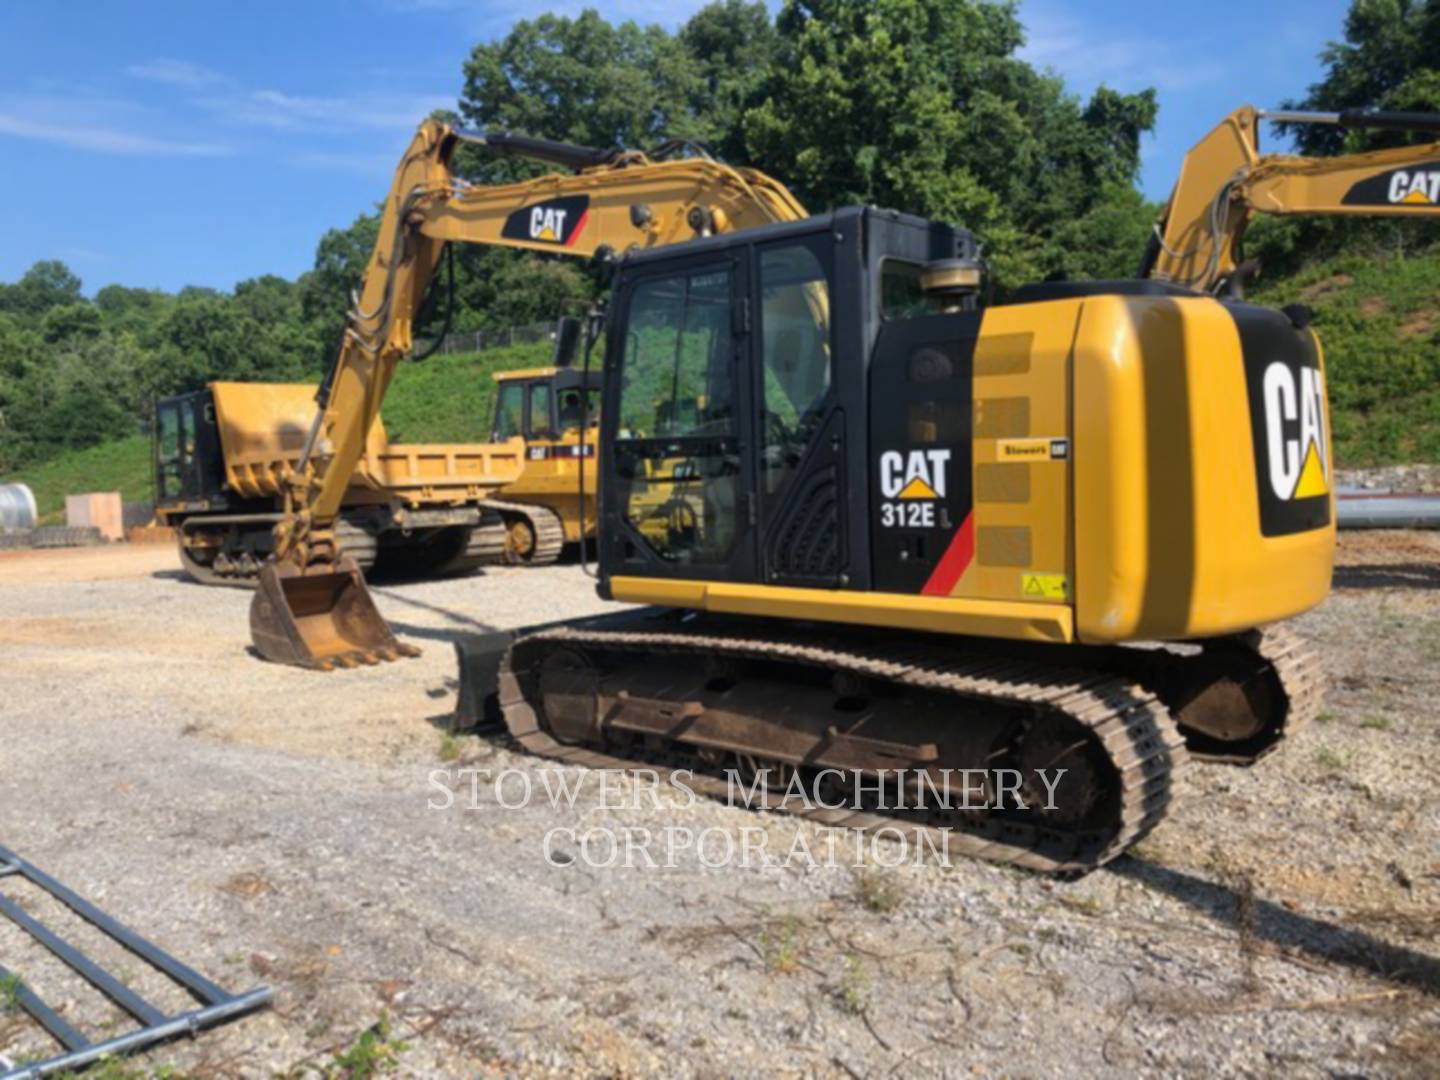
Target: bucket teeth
x,y
320,617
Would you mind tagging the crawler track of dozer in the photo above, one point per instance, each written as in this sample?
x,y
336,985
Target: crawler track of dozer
x,y
535,534
711,694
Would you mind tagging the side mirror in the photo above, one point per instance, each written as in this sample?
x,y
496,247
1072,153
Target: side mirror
x,y
567,341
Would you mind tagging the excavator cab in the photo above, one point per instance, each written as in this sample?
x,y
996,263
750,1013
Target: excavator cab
x,y
824,420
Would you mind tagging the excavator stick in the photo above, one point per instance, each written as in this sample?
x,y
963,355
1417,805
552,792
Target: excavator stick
x,y
322,619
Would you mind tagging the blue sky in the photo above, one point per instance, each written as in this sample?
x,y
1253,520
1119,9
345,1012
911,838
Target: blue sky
x,y
171,143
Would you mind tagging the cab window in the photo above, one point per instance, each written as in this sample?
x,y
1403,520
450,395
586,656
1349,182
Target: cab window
x,y
509,412
902,294
540,425
676,451
576,404
795,350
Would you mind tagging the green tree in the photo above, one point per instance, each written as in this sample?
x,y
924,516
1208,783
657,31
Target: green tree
x,y
734,46
71,321
49,283
582,80
923,105
1390,59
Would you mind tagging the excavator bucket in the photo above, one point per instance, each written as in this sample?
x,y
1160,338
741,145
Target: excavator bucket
x,y
320,620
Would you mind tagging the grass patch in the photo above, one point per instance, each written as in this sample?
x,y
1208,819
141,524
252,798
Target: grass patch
x,y
780,947
852,992
375,1053
9,993
1378,319
122,465
446,399
1331,760
1376,723
452,398
877,892
449,747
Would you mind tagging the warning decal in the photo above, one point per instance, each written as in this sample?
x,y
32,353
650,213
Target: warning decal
x,y
1043,586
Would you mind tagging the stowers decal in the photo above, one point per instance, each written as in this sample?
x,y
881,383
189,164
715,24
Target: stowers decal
x,y
554,221
1286,390
1417,185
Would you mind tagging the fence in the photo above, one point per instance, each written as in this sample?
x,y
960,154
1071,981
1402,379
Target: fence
x,y
480,340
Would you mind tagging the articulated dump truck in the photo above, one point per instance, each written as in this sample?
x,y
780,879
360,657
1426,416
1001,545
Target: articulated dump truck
x,y
426,509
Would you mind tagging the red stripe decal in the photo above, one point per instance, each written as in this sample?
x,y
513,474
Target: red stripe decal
x,y
579,227
954,562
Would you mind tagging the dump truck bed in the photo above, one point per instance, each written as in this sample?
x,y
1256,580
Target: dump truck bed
x,y
263,427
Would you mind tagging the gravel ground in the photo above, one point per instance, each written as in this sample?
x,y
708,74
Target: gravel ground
x,y
276,826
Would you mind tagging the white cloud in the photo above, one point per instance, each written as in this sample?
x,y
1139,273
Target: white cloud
x,y
105,140
292,112
1087,54
375,165
175,72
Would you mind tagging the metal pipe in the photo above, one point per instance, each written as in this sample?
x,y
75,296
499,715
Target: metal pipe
x,y
82,965
17,507
1388,512
570,155
46,1017
184,1024
1357,118
200,520
1293,116
192,980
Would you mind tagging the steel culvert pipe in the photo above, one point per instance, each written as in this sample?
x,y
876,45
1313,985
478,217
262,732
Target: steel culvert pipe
x,y
1388,512
17,507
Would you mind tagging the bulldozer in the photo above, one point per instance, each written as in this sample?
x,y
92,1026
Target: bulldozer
x,y
877,524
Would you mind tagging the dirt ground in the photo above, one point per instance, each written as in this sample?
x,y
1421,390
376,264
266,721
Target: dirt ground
x,y
322,835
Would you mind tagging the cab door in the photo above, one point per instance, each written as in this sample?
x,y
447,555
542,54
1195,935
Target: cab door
x,y
678,394
800,464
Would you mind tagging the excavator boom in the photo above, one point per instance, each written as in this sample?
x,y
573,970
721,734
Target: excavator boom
x,y
1225,180
312,607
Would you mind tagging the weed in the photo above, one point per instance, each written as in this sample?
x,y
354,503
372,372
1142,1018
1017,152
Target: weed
x,y
1083,904
1430,640
852,993
781,947
1376,723
1331,760
9,993
113,1068
449,747
878,892
1326,717
374,1053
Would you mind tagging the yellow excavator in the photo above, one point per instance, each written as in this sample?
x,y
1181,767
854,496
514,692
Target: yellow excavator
x,y
1225,181
990,572
311,606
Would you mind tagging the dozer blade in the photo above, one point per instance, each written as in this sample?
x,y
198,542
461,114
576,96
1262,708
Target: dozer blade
x,y
479,657
320,620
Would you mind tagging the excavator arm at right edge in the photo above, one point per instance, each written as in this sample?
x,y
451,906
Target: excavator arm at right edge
x,y
312,608
1225,180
